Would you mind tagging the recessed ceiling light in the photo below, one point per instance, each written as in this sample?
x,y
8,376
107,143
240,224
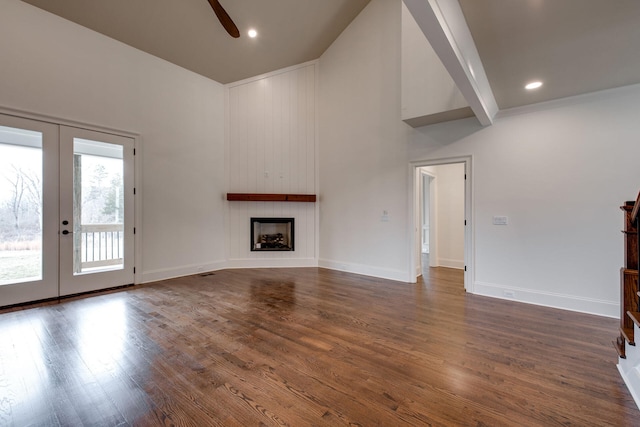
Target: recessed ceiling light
x,y
533,85
252,33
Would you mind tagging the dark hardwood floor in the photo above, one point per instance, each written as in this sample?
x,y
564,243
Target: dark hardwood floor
x,y
307,347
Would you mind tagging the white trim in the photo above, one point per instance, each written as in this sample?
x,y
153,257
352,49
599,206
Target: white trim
x,y
70,282
433,222
428,173
433,219
186,270
469,245
271,262
227,156
273,73
419,197
137,206
367,270
549,299
451,263
316,154
65,122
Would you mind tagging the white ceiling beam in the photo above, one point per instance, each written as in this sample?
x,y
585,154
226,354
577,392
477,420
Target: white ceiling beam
x,y
443,23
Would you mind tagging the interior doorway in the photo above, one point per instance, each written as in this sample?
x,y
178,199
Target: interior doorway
x,y
428,219
441,197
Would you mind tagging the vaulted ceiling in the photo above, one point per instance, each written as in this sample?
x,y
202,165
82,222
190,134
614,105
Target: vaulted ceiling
x,y
188,33
572,46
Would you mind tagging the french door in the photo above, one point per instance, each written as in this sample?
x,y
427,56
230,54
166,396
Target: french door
x,y
66,210
96,210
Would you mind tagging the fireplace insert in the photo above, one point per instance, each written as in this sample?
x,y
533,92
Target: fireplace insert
x,y
272,234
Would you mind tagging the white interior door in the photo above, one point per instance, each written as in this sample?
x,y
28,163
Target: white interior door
x,y
96,210
28,210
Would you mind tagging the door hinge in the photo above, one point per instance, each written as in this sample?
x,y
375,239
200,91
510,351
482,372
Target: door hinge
x,y
134,151
134,191
134,270
134,230
465,176
465,268
465,222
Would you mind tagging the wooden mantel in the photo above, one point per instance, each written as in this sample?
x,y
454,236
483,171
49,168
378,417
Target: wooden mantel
x,y
261,197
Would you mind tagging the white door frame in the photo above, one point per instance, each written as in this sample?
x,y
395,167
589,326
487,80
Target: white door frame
x,y
72,281
419,197
433,216
414,213
138,146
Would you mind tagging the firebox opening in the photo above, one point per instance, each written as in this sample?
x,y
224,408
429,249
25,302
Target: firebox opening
x,y
272,234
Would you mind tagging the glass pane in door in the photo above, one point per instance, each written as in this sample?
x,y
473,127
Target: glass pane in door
x,y
98,206
20,205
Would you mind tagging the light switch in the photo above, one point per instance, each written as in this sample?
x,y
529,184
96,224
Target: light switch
x,y
500,220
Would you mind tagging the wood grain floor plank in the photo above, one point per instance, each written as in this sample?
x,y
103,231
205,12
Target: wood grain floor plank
x,y
307,347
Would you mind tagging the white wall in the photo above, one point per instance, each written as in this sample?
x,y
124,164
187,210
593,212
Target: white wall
x,y
53,67
271,149
363,148
559,171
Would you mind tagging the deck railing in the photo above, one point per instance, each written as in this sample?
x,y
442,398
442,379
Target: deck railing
x,y
101,245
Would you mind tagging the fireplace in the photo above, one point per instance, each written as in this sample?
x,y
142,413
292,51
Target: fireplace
x,y
272,234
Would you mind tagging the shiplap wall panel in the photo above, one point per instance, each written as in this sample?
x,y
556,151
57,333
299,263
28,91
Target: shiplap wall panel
x,y
272,149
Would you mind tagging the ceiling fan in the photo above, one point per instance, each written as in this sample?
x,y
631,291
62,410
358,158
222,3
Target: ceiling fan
x,y
224,18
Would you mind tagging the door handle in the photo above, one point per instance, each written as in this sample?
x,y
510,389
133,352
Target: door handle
x,y
65,232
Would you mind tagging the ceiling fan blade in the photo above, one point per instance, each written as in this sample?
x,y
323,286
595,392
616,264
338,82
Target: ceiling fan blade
x,y
225,19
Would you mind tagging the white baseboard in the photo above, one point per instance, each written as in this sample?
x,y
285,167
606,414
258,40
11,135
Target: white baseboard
x,y
451,263
271,262
186,270
549,299
366,270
